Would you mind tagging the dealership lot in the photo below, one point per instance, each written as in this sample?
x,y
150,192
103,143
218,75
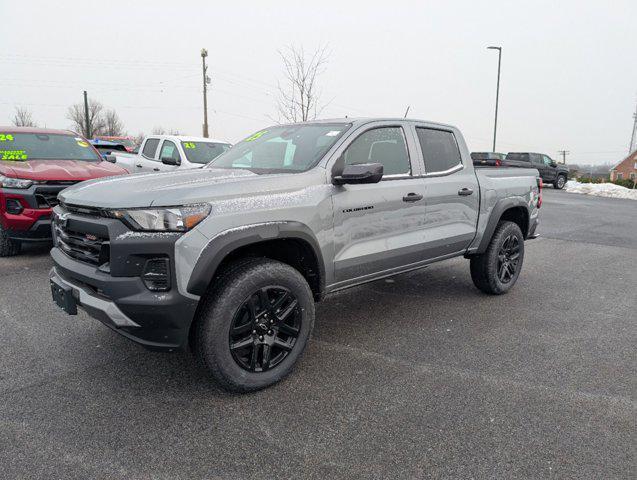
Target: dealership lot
x,y
418,376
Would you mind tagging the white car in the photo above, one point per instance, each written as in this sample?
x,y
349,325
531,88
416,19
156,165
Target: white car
x,y
159,153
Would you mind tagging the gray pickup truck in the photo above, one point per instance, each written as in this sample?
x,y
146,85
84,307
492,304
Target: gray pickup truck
x,y
229,259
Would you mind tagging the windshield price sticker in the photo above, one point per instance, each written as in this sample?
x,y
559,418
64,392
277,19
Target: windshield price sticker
x,y
256,135
16,155
6,137
189,145
332,133
82,143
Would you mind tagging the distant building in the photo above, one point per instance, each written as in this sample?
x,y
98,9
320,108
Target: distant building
x,y
626,169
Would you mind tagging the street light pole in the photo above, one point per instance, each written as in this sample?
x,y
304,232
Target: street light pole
x,y
497,93
204,54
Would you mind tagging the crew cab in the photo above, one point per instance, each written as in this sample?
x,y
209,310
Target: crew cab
x,y
550,171
160,153
35,165
229,259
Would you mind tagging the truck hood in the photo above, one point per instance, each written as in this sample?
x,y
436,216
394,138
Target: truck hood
x,y
177,188
66,170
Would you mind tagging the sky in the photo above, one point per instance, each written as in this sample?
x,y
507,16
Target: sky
x,y
568,79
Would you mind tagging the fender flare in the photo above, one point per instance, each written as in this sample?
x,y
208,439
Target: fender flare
x,y
496,213
229,240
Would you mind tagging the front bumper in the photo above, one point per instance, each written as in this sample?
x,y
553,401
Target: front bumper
x,y
117,296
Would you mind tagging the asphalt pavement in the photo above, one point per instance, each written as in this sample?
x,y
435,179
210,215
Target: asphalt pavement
x,y
418,376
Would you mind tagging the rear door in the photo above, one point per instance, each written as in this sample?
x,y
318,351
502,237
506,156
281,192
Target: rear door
x,y
379,227
452,193
147,158
538,162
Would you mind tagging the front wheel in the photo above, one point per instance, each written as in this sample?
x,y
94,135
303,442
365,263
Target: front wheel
x,y
496,270
254,326
560,182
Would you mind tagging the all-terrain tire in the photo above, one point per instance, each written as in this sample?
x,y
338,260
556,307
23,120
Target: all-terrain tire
x,y
560,182
8,246
488,269
226,300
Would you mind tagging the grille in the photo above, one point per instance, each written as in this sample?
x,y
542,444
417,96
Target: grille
x,y
47,196
82,246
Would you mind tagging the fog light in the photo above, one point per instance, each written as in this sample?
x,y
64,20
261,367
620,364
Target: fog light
x,y
14,207
156,274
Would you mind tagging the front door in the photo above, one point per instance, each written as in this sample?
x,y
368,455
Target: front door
x,y
378,227
452,193
168,150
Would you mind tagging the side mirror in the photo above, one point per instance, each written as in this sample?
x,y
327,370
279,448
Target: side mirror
x,y
170,161
553,164
359,173
110,158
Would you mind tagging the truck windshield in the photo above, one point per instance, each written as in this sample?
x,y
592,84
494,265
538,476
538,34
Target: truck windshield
x,y
282,149
41,146
203,152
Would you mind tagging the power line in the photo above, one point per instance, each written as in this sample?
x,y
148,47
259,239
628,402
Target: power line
x,y
563,153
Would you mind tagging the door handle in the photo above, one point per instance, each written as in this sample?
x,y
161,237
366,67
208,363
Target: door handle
x,y
412,197
465,191
156,169
138,166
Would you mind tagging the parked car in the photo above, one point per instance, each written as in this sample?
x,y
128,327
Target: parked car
x,y
160,153
107,148
229,259
35,165
491,159
550,171
128,142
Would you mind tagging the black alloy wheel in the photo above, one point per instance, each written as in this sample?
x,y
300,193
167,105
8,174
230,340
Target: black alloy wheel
x,y
508,258
265,328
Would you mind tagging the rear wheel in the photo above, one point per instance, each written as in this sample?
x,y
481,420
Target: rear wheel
x,y
560,182
252,329
496,270
8,246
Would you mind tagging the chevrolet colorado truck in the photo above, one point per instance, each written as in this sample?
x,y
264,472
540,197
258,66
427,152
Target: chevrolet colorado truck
x,y
550,171
229,259
35,165
159,153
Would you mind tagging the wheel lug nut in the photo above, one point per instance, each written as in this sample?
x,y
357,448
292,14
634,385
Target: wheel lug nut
x,y
271,321
270,332
254,331
260,337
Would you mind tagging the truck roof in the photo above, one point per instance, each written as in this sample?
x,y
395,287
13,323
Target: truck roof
x,y
47,131
364,120
187,138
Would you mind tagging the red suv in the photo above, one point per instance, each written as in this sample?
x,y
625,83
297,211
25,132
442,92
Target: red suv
x,y
35,165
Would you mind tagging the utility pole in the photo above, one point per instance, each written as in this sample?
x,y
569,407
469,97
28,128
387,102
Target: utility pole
x,y
563,153
497,93
204,54
88,123
633,137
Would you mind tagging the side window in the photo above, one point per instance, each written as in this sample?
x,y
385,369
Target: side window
x,y
547,160
439,149
169,149
536,158
150,148
385,145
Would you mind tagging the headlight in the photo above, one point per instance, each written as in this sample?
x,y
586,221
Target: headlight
x,y
8,182
168,219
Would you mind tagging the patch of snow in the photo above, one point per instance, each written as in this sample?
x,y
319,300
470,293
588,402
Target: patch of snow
x,y
601,190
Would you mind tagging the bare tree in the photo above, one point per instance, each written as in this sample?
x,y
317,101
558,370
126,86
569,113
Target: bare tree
x,y
158,131
23,118
96,120
139,138
113,126
173,131
298,98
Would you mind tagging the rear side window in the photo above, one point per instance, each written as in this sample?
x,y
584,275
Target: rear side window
x,y
518,157
439,149
385,145
150,148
